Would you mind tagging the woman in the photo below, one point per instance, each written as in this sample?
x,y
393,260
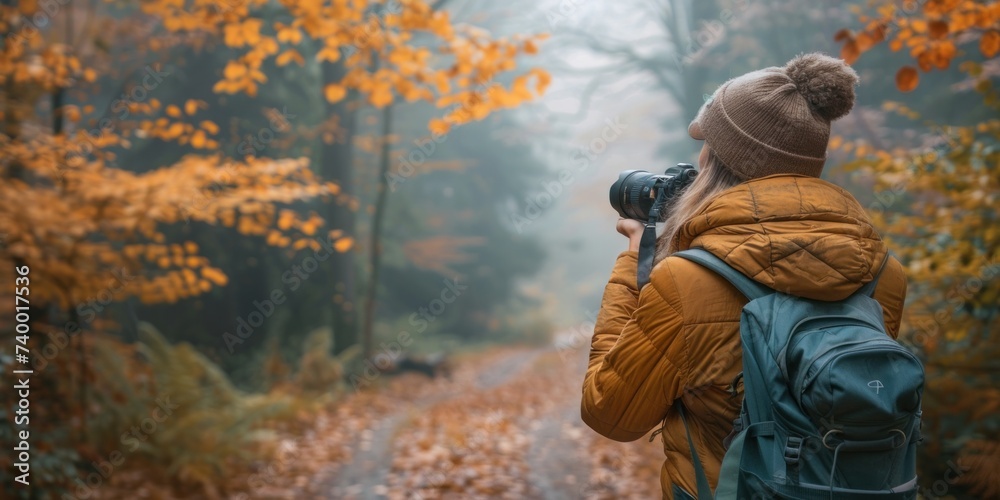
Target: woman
x,y
758,203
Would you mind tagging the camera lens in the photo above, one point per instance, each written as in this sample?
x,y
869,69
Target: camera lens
x,y
630,194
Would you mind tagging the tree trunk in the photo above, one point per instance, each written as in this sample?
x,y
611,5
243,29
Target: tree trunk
x,y
375,245
336,167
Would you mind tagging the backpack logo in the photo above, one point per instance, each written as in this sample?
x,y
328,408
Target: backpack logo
x,y
876,384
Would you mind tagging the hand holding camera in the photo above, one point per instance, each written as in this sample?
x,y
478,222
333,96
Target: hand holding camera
x,y
643,199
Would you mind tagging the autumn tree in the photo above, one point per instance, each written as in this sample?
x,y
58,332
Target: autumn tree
x,y
93,231
937,204
385,52
90,232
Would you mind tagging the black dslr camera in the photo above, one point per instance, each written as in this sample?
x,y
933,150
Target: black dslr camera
x,y
645,197
635,192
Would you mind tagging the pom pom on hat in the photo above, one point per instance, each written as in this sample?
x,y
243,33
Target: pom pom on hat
x,y
826,83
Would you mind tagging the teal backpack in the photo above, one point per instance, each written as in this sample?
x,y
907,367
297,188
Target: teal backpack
x,y
831,405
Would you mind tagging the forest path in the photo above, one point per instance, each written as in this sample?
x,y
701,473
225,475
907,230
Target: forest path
x,y
558,444
364,476
507,425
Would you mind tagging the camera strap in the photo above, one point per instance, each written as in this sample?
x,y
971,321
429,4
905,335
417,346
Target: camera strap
x,y
647,244
647,249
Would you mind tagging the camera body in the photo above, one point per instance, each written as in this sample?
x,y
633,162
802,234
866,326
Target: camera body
x,y
638,193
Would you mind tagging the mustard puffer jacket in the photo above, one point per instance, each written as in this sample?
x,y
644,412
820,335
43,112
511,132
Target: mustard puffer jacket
x,y
678,340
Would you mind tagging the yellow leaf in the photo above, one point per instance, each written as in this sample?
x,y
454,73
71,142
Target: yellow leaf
x,y
288,56
286,219
438,126
175,130
214,275
72,113
380,98
234,70
210,127
328,54
289,35
272,238
344,244
233,35
191,107
251,31
334,92
173,111
544,79
198,139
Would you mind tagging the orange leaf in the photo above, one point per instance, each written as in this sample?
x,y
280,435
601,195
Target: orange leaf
x,y
210,127
289,55
843,34
937,29
380,98
191,106
198,139
989,44
925,60
344,244
879,32
543,80
907,78
174,111
335,92
234,70
438,126
850,52
864,42
214,275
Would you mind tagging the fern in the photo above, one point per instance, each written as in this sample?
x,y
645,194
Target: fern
x,y
215,430
319,371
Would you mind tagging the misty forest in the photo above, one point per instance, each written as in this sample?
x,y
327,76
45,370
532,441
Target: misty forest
x,y
357,248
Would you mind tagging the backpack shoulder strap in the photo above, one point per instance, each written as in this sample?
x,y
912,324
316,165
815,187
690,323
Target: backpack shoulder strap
x,y
748,287
701,480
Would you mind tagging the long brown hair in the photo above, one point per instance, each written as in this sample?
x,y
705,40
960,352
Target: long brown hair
x,y
713,178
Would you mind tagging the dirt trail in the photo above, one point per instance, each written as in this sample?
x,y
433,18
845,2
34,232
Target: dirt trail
x,y
364,477
558,444
506,426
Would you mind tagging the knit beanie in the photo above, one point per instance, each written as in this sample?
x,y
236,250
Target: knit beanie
x,y
777,120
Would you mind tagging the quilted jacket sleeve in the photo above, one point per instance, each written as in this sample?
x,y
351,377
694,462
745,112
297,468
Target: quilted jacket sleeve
x,y
630,383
